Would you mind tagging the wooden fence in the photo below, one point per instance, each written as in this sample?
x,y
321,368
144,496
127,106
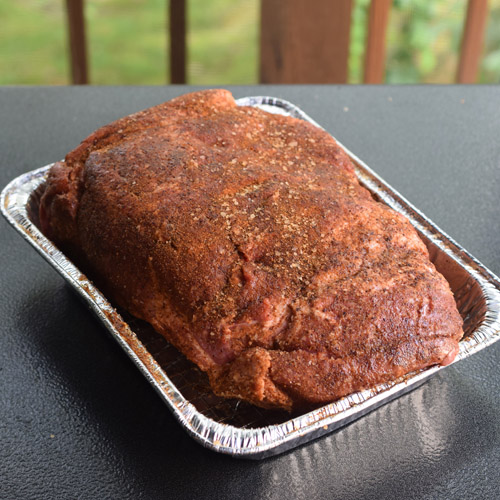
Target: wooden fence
x,y
301,41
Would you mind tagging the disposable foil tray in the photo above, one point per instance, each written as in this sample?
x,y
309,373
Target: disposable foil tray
x,y
238,428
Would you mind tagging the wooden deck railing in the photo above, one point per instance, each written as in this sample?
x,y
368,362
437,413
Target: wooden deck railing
x,y
472,41
378,19
77,42
177,44
301,41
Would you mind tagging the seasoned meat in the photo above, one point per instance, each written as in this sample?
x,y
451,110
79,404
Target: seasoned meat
x,y
246,240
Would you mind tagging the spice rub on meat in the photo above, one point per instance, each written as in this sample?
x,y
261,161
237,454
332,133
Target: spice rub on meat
x,y
246,240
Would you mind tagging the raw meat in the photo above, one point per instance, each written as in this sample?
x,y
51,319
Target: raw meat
x,y
246,240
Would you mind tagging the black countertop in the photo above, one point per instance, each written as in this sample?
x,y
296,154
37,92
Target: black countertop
x,y
78,420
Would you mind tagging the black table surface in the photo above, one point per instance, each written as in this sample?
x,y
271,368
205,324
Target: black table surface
x,y
78,420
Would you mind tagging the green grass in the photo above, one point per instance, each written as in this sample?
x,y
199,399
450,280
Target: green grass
x,y
128,43
223,41
32,42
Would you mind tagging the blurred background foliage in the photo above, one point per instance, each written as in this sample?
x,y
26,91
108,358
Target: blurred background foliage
x,y
127,42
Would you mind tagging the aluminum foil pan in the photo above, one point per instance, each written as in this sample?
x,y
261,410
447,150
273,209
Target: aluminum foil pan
x,y
238,428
